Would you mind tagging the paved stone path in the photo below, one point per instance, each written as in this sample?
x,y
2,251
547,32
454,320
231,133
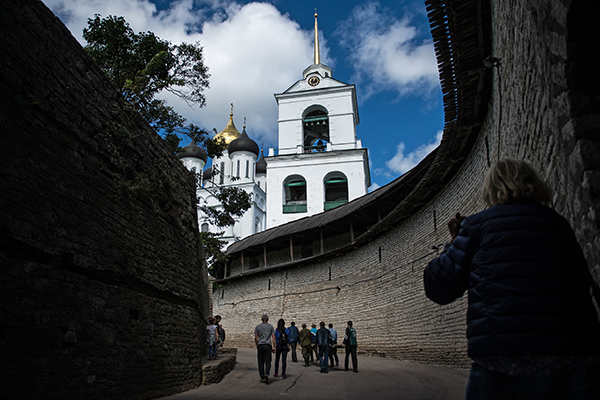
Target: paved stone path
x,y
377,378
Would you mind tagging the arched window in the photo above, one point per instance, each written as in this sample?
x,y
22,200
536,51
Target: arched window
x,y
315,124
204,227
294,191
256,225
336,190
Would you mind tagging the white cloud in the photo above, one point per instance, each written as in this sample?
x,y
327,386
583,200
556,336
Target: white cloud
x,y
402,163
75,13
388,52
252,52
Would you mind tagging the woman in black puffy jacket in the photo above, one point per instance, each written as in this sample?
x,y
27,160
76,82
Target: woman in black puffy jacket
x,y
532,329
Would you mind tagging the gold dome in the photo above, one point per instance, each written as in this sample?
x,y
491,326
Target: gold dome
x,y
230,133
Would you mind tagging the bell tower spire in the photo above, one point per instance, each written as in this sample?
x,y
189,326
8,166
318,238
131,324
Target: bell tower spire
x,y
317,50
323,70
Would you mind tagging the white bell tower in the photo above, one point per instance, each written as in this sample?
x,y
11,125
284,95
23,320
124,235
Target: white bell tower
x,y
320,164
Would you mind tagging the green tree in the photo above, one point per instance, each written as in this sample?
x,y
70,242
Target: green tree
x,y
235,202
141,66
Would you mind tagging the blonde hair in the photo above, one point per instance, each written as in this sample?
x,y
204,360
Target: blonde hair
x,y
512,180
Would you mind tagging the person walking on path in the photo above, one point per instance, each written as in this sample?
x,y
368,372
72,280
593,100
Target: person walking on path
x,y
212,337
282,338
305,338
532,328
313,338
333,348
351,346
323,343
264,337
293,340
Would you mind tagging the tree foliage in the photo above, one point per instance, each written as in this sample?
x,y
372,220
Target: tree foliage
x,y
235,202
142,66
213,248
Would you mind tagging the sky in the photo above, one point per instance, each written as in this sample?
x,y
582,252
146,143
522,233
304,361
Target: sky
x,y
255,49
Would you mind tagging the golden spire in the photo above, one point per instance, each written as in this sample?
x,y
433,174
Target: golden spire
x,y
317,51
230,133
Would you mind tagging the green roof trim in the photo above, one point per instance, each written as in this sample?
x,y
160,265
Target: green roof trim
x,y
318,118
295,183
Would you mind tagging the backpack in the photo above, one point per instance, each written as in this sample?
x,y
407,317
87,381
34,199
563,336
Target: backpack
x,y
283,338
351,336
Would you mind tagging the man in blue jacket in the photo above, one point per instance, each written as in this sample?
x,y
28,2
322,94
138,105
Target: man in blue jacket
x,y
323,342
293,340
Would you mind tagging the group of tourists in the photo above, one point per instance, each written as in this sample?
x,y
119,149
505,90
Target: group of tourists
x,y
322,342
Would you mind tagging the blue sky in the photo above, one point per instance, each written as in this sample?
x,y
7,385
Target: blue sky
x,y
256,49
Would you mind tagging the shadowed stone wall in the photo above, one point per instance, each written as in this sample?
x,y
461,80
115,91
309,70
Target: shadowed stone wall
x,y
544,109
100,268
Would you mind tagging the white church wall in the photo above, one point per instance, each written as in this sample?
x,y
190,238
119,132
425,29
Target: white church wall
x,y
193,164
313,167
261,181
341,110
243,163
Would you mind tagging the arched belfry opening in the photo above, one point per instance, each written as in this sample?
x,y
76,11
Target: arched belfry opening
x,y
315,124
336,190
294,192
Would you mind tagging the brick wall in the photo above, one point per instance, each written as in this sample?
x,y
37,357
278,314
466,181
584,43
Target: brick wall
x,y
536,115
101,275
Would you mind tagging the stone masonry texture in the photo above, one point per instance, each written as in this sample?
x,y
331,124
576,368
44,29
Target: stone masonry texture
x,y
102,279
544,109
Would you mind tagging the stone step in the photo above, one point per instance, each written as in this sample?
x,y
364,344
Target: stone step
x,y
214,370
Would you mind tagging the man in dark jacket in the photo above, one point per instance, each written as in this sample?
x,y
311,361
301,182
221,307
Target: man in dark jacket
x,y
323,342
293,340
531,325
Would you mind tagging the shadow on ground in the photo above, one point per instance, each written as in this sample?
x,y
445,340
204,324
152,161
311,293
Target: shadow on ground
x,y
377,378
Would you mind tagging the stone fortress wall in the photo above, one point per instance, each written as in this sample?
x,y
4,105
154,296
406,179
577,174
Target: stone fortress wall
x,y
542,108
102,281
